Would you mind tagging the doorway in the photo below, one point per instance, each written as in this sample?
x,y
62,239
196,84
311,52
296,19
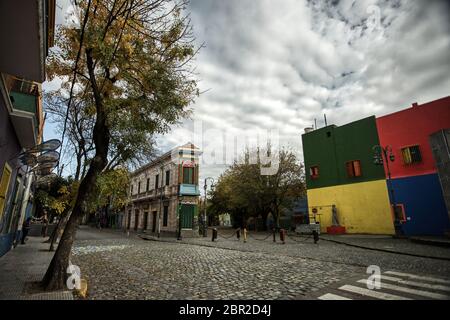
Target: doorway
x,y
136,220
154,221
145,220
187,216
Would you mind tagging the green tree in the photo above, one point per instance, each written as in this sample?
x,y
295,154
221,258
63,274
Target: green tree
x,y
244,192
127,64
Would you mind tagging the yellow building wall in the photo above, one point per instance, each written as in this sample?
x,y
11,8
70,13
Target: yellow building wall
x,y
361,207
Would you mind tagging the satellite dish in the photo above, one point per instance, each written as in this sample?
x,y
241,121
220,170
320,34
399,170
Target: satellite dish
x,y
49,156
46,179
48,145
28,159
40,168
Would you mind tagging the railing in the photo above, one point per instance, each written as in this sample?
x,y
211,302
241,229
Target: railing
x,y
189,190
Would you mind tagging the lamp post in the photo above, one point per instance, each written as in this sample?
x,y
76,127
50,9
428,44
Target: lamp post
x,y
205,229
381,156
160,200
179,218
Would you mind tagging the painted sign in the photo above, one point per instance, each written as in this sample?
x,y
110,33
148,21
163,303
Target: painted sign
x,y
188,164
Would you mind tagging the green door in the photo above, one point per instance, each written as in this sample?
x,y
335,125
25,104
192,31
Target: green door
x,y
187,216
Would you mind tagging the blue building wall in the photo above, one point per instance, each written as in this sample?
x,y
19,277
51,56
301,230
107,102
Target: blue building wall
x,y
6,241
424,205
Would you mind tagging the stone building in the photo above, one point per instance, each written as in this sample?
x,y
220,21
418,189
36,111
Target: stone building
x,y
164,190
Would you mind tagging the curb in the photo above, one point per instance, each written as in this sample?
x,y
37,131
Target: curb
x,y
384,250
437,243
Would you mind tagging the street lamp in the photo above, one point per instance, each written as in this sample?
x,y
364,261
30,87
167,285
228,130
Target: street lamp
x,y
381,156
179,217
205,229
160,200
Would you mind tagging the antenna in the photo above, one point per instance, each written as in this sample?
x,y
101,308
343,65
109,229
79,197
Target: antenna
x,y
315,123
325,118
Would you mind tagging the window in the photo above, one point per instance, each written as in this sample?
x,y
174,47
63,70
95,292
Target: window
x,y
165,215
139,187
4,184
131,189
157,181
411,155
353,168
148,184
399,212
167,177
188,175
314,172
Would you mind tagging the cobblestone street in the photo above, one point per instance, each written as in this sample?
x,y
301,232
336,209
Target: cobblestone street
x,y
120,267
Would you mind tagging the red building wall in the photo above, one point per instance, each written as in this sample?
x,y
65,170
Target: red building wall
x,y
413,126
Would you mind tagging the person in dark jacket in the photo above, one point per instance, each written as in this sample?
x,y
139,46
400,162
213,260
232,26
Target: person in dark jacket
x,y
25,229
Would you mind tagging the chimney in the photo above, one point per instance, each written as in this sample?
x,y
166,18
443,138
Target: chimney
x,y
415,105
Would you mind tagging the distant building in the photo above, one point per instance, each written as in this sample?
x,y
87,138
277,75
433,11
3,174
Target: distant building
x,y
26,33
164,190
341,171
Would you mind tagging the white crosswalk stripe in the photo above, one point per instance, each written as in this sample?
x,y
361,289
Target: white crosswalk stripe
x,y
372,293
413,276
416,284
422,293
400,286
332,296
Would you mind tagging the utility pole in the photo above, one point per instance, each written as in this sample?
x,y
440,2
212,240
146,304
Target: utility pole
x,y
160,200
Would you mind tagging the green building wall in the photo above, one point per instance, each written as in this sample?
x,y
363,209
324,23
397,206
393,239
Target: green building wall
x,y
331,147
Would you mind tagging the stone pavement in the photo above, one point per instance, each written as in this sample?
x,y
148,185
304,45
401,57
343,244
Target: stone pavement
x,y
24,264
121,267
131,268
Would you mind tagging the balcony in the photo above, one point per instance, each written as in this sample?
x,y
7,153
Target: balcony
x,y
189,190
26,114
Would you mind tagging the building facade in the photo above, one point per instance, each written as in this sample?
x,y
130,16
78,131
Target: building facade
x,y
341,171
164,194
440,145
415,180
26,33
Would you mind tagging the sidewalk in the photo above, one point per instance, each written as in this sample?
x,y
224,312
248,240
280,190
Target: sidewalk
x,y
24,264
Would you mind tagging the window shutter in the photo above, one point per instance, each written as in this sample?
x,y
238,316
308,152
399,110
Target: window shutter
x,y
357,168
349,167
180,173
406,155
196,174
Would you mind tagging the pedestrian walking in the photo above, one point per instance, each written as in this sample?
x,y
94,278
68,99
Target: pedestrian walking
x,y
45,224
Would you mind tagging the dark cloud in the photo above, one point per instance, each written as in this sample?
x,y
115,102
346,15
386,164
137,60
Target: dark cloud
x,y
282,64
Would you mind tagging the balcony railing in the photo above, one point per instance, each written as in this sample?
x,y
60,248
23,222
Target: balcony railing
x,y
24,96
189,190
155,194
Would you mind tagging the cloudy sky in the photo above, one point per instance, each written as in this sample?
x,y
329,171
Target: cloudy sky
x,y
281,64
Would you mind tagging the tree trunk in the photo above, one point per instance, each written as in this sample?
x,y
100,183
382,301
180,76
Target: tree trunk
x,y
56,274
57,233
52,236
